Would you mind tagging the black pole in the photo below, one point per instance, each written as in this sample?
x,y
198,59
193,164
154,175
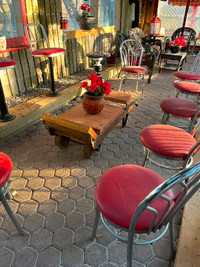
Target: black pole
x,y
135,23
4,116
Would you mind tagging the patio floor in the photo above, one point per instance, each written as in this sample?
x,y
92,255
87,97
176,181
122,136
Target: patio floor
x,y
55,191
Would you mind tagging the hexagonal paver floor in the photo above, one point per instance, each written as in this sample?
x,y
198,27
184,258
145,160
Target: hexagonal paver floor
x,y
55,192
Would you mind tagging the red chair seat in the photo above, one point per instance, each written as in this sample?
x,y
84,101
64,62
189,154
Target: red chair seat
x,y
116,200
6,62
187,75
167,140
188,87
179,107
5,168
48,52
134,69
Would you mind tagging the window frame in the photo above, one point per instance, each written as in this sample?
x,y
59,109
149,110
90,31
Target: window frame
x,y
18,42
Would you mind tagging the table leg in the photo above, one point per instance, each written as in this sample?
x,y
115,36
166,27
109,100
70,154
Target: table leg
x,y
4,116
61,141
98,68
87,150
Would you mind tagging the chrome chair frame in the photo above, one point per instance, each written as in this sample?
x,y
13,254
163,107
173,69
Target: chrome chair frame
x,y
131,52
189,180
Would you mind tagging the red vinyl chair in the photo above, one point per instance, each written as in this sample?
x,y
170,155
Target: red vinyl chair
x,y
37,38
131,53
170,142
136,200
192,75
5,63
5,170
180,108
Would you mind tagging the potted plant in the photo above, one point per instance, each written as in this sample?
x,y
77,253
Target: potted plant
x,y
111,58
93,98
85,20
177,44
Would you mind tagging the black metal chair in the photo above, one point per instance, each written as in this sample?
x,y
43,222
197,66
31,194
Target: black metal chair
x,y
137,200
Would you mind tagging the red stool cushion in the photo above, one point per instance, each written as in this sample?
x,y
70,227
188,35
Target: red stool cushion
x,y
48,51
121,189
167,140
188,87
134,69
187,75
179,107
6,62
5,168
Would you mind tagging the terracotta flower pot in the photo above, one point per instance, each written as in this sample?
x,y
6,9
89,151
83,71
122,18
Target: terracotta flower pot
x,y
93,104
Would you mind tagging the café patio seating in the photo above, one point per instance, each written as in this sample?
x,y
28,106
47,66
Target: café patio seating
x,y
5,171
136,200
39,46
184,80
150,52
170,143
131,56
180,108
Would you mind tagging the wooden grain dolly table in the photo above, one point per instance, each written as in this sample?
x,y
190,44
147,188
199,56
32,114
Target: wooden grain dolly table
x,y
77,125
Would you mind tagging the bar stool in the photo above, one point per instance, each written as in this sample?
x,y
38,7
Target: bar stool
x,y
5,63
37,37
5,170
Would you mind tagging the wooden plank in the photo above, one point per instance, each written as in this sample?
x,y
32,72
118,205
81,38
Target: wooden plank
x,y
74,55
19,73
118,97
5,83
25,69
70,56
99,122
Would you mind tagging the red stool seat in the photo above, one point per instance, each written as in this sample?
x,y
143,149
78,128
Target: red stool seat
x,y
6,63
118,198
5,168
48,52
188,87
187,75
134,69
179,107
167,140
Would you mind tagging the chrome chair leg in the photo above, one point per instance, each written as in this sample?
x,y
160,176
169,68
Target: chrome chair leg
x,y
136,89
146,158
96,222
142,86
165,118
129,249
171,233
10,213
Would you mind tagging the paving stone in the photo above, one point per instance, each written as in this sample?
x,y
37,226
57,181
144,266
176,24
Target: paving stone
x,y
93,172
49,257
73,256
9,226
158,263
3,238
104,237
76,193
23,195
89,219
86,163
47,207
18,183
47,172
30,173
117,252
13,205
27,164
27,208
74,220
78,172
35,183
40,164
41,194
6,257
85,205
55,221
62,238
143,255
107,154
113,147
41,239
27,257
59,194
53,183
96,255
69,182
114,162
86,182
82,237
66,206
16,173
163,248
101,162
34,222
90,193
17,242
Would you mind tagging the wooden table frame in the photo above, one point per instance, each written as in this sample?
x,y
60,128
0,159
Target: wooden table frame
x,y
66,130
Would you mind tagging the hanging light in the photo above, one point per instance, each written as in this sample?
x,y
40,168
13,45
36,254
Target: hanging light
x,y
155,26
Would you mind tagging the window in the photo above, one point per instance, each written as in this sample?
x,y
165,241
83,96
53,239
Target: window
x,y
106,13
12,21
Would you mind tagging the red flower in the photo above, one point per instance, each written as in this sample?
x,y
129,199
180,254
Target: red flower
x,y
84,7
89,9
